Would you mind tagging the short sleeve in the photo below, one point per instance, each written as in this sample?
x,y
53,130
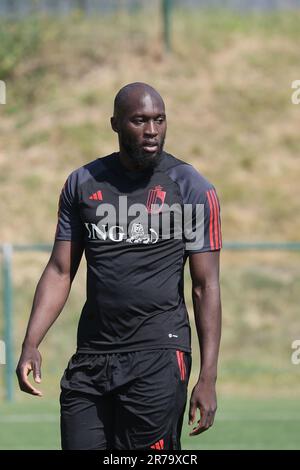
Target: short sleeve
x,y
201,216
69,224
206,221
203,225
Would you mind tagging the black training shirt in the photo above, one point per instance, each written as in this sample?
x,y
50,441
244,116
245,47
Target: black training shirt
x,y
135,299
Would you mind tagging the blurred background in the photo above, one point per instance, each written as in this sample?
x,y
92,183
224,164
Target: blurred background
x,y
225,70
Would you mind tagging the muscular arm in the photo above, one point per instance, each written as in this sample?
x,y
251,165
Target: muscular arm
x,y
204,269
50,296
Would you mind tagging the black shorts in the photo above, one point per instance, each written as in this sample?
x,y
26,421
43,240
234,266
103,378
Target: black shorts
x,y
133,400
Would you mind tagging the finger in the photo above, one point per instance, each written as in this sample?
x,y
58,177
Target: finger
x,y
192,413
209,422
211,418
37,372
202,424
26,387
24,383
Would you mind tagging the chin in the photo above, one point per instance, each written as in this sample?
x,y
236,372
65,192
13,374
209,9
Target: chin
x,y
147,162
144,160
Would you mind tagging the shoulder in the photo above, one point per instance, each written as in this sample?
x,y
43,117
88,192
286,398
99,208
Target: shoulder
x,y
190,181
89,170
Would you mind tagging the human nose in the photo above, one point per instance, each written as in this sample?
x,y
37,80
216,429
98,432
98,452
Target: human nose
x,y
151,129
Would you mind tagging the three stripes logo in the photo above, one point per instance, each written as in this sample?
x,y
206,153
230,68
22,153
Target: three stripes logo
x,y
158,445
97,196
215,237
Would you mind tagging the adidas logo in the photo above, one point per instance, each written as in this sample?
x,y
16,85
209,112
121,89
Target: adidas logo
x,y
97,196
158,445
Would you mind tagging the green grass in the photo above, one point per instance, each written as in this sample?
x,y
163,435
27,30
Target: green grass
x,y
239,424
251,424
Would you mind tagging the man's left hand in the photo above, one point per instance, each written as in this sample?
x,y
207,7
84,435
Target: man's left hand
x,y
203,397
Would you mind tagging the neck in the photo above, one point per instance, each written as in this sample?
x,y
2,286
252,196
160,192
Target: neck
x,y
127,162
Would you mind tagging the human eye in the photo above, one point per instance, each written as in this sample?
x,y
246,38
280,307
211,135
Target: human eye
x,y
160,119
138,120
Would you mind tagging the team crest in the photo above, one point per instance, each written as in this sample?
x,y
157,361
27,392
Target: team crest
x,y
155,201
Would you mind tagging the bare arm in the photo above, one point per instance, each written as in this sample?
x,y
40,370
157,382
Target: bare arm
x,y
50,297
204,269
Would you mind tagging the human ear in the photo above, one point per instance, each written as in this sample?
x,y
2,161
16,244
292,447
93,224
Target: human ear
x,y
114,124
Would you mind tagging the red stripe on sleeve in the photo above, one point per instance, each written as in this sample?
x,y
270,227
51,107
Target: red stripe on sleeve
x,y
217,221
219,224
216,231
211,238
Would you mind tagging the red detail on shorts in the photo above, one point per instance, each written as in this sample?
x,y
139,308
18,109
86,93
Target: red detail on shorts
x,y
181,364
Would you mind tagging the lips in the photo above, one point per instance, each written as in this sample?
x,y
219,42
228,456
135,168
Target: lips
x,y
150,147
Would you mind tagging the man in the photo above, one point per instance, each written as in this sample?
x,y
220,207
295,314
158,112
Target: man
x,y
126,385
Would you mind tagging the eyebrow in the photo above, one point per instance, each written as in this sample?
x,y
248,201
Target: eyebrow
x,y
145,115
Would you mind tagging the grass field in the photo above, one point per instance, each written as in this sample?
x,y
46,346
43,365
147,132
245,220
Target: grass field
x,y
240,424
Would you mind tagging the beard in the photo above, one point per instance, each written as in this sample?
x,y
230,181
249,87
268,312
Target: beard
x,y
142,160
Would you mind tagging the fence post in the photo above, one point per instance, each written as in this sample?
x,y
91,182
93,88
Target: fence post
x,y
8,322
166,12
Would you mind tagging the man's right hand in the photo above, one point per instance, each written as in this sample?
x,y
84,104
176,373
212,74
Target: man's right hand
x,y
30,360
49,299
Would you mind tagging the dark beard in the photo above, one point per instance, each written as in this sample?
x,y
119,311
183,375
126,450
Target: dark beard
x,y
143,160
